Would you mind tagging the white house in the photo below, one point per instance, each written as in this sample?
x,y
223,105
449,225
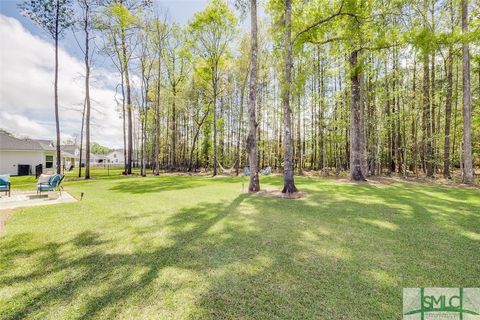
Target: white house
x,y
21,156
115,157
98,159
71,157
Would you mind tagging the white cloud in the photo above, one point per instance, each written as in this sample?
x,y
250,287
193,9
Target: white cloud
x,y
26,90
19,123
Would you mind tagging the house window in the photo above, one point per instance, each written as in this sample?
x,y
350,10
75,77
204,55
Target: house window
x,y
48,162
114,155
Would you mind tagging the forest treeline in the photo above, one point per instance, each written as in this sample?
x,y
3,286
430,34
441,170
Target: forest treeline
x,y
365,87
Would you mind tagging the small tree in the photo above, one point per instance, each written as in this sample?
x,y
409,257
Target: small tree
x,y
252,100
54,17
119,22
213,30
86,7
175,63
467,113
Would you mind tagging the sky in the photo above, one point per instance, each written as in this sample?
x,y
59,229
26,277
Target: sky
x,y
27,74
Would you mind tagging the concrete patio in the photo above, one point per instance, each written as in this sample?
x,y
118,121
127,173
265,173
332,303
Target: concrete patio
x,y
29,199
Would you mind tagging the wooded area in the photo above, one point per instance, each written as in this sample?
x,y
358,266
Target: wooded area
x,y
366,87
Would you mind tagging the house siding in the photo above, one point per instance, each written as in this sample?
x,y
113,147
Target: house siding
x,y
10,159
115,157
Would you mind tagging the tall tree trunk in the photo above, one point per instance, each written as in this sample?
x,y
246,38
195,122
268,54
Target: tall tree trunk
x,y
81,141
240,122
288,183
448,114
144,131
433,113
214,107
427,118
174,130
467,114
124,125
156,139
455,108
252,147
298,153
414,119
221,140
357,134
57,120
128,106
195,138
321,124
397,120
87,91
390,142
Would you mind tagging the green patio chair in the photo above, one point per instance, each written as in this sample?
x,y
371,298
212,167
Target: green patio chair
x,y
5,184
53,184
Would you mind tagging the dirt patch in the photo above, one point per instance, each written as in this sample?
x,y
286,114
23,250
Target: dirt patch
x,y
324,174
279,194
79,179
4,214
412,180
382,180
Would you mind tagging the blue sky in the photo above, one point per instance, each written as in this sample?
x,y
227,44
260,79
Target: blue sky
x,y
26,80
179,11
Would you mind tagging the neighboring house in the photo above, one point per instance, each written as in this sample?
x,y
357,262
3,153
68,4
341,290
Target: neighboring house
x,y
115,156
21,156
98,159
71,157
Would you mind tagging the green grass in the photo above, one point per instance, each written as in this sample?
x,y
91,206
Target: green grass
x,y
175,247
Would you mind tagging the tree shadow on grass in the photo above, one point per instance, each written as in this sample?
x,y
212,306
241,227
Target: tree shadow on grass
x,y
452,207
328,256
96,266
343,259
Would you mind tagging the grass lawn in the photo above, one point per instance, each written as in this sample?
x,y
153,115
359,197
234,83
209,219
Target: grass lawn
x,y
174,247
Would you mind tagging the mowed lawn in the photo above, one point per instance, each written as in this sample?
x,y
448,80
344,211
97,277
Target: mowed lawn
x,y
179,247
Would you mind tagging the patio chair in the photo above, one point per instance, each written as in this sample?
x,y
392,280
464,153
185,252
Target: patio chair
x,y
267,171
246,171
5,183
53,184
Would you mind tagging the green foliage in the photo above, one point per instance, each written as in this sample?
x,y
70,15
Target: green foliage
x,y
176,57
118,22
99,149
211,32
45,13
122,15
6,132
216,15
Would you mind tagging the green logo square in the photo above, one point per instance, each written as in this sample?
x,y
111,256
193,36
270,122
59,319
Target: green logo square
x,y
441,303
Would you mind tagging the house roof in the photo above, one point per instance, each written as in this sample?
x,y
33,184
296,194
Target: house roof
x,y
98,156
69,147
11,143
46,144
67,154
114,150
